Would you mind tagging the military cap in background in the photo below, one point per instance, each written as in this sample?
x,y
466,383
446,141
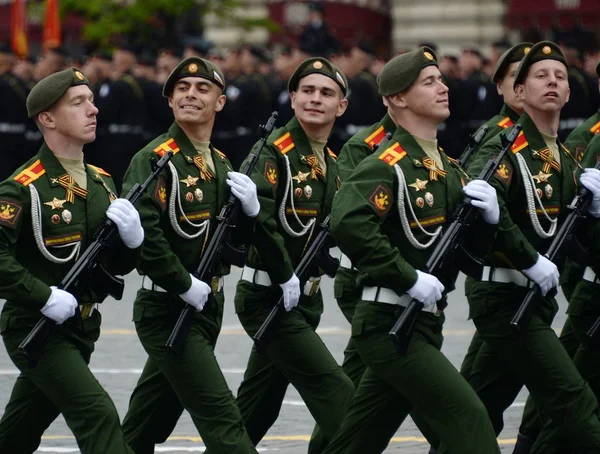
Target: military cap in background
x,y
400,72
194,67
544,50
50,89
259,53
512,55
318,65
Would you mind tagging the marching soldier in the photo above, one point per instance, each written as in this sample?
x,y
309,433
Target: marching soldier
x,y
534,185
386,217
531,423
178,216
297,178
504,77
49,212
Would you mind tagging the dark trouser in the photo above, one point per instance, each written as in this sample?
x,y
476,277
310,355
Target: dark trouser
x,y
296,355
193,382
536,359
422,380
61,383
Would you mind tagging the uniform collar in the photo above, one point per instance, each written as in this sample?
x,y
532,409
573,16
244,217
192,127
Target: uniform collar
x,y
507,111
388,124
52,166
414,150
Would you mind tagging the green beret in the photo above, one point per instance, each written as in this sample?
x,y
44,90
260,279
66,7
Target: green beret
x,y
318,65
513,55
544,50
194,67
50,89
400,72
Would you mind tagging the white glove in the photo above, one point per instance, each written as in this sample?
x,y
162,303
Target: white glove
x,y
544,273
197,294
127,219
428,289
291,293
484,197
245,190
60,306
590,179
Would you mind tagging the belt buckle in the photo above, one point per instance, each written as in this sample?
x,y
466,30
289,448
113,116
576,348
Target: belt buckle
x,y
314,288
214,284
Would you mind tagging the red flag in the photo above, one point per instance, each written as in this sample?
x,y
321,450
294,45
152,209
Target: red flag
x,y
51,25
19,28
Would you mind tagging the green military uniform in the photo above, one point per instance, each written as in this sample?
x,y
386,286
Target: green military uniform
x,y
576,143
384,238
295,194
538,359
46,220
178,215
583,312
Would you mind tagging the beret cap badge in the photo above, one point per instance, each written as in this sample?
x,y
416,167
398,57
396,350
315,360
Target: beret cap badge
x,y
526,50
317,65
546,50
79,75
193,68
428,56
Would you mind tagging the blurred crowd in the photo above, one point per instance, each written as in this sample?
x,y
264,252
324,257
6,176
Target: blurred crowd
x,y
127,84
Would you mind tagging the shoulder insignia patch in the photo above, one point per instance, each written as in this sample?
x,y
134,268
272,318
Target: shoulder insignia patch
x,y
10,211
221,154
167,146
99,170
596,128
31,173
506,122
284,143
376,137
160,193
505,172
331,153
393,154
270,173
380,200
520,143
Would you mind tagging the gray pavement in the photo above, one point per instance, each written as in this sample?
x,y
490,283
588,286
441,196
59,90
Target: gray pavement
x,y
119,358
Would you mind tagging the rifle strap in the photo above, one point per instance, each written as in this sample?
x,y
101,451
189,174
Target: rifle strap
x,y
532,198
290,190
402,193
36,215
174,201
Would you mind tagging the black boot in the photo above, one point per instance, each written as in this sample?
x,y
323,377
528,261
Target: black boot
x,y
524,443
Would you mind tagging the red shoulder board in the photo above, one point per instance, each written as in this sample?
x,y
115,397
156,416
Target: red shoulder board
x,y
376,137
99,170
596,128
167,146
31,173
284,143
506,122
331,153
221,154
393,154
520,143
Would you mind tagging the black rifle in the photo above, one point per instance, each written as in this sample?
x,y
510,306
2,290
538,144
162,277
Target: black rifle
x,y
474,140
564,243
88,269
210,259
314,254
450,244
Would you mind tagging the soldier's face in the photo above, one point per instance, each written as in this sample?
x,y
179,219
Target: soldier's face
x,y
74,115
427,97
506,90
318,100
546,87
196,100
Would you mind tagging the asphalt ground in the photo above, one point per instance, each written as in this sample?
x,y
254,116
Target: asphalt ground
x,y
119,358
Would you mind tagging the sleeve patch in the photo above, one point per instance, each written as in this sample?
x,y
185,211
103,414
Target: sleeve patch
x,y
270,173
160,193
505,172
10,212
380,200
